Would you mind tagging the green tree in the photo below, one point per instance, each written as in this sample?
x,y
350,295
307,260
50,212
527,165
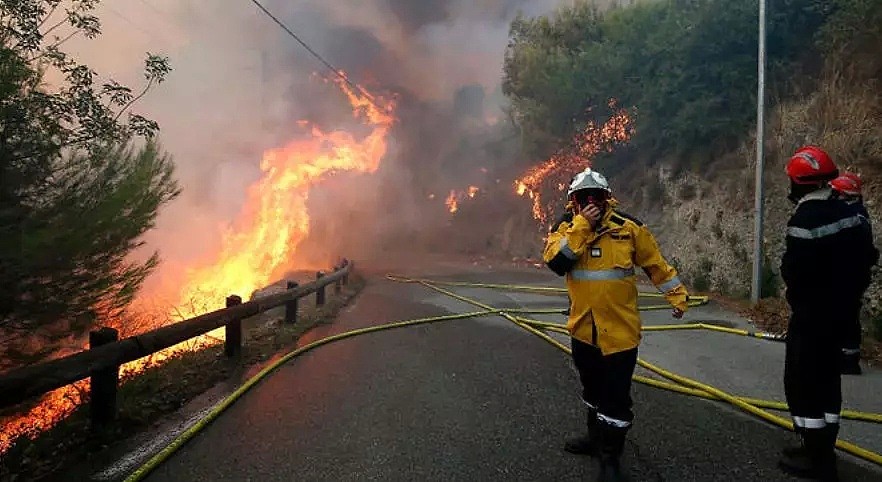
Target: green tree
x,y
852,36
687,67
81,179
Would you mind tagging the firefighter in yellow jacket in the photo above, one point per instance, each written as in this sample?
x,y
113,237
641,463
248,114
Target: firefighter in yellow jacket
x,y
598,249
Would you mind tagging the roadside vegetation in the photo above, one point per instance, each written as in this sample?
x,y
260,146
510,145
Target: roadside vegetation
x,y
146,399
686,71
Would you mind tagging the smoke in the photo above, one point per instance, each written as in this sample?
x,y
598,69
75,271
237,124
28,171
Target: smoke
x,y
240,84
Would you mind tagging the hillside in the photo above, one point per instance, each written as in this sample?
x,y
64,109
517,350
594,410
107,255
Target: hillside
x,y
687,73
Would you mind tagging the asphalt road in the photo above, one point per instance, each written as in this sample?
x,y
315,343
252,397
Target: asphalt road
x,y
477,399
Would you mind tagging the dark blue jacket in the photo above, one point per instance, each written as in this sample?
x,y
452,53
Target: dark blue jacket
x,y
828,255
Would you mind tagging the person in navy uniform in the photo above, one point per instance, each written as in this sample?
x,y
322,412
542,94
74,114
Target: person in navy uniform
x,y
847,187
828,252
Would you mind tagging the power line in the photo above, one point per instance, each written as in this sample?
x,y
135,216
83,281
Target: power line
x,y
315,54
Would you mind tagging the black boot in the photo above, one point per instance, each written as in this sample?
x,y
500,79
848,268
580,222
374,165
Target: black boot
x,y
825,457
797,450
612,444
586,444
816,458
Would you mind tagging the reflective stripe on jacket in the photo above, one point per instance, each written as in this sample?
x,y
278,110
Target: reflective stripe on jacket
x,y
827,261
601,279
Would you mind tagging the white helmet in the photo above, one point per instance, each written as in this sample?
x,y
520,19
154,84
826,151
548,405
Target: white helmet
x,y
588,179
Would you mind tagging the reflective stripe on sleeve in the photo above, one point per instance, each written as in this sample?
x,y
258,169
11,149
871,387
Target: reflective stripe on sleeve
x,y
669,285
566,250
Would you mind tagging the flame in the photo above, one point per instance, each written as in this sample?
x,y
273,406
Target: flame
x,y
452,201
586,144
258,249
275,218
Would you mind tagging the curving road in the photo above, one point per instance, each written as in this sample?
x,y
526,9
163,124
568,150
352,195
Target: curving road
x,y
481,399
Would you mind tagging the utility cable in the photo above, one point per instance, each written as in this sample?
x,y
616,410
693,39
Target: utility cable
x,y
315,54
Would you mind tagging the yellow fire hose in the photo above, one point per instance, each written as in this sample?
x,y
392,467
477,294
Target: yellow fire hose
x,y
847,414
691,387
752,409
685,326
165,453
538,289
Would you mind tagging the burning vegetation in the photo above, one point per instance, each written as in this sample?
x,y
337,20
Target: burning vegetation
x,y
258,249
452,201
554,173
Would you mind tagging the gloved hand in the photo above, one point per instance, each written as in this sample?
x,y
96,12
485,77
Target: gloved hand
x,y
677,313
592,213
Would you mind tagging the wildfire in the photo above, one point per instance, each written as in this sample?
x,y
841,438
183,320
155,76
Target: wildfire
x,y
258,249
452,201
275,218
577,156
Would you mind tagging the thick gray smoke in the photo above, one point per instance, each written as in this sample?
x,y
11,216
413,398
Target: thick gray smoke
x,y
240,84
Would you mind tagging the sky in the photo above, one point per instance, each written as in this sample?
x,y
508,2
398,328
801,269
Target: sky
x,y
240,84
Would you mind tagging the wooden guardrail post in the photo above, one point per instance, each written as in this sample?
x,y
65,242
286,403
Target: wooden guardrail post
x,y
233,332
106,353
320,292
291,306
102,405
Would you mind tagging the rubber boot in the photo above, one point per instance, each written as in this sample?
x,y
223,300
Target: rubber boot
x,y
816,459
825,457
586,444
612,444
850,363
797,450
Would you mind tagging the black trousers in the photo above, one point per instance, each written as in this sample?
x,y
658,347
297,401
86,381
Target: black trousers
x,y
851,328
812,383
606,381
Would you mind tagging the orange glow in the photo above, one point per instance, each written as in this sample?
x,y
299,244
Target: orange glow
x,y
452,201
557,170
254,252
275,220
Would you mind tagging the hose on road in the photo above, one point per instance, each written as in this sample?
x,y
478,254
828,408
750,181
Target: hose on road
x,y
710,390
687,386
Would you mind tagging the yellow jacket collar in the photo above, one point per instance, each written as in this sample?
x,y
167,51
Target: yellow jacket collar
x,y
605,223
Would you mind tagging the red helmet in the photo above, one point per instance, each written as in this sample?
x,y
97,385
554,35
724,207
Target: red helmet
x,y
848,184
811,165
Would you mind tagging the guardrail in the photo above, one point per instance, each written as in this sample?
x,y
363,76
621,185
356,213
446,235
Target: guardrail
x,y
106,353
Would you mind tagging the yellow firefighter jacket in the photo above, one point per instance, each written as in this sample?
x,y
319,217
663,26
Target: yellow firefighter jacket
x,y
601,279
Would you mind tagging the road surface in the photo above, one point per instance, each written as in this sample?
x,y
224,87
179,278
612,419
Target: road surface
x,y
481,399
